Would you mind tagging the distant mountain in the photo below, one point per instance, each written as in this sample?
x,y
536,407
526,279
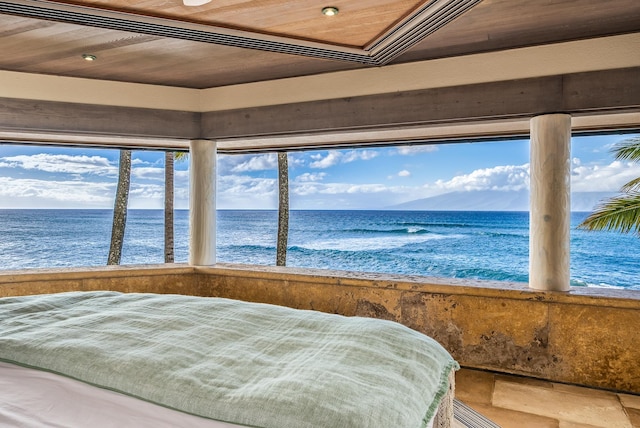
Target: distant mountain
x,y
494,200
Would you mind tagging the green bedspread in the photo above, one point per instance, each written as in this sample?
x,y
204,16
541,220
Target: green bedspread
x,y
246,363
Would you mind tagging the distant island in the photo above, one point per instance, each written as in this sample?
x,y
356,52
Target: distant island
x,y
494,200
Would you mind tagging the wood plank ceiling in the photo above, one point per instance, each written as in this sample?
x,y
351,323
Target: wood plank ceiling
x,y
52,46
357,23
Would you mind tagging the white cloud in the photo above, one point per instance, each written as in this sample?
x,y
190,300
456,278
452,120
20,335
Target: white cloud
x,y
337,188
331,159
246,163
411,150
503,177
147,191
584,178
309,177
335,157
245,184
355,155
244,192
181,174
603,178
34,193
314,195
347,188
404,173
148,173
137,161
296,160
69,164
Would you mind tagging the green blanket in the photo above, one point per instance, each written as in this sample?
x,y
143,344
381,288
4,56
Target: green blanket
x,y
251,364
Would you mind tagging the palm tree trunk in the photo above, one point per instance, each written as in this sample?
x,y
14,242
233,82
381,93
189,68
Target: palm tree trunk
x,y
169,158
120,208
283,209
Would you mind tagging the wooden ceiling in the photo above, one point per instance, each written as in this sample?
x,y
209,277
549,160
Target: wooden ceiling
x,y
52,46
357,23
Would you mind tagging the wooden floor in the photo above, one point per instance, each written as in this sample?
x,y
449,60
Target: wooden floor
x,y
516,402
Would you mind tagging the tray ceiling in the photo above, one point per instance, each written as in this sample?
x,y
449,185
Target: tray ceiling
x,y
371,32
299,19
159,41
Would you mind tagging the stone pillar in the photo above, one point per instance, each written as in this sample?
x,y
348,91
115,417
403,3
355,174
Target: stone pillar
x,y
202,203
549,227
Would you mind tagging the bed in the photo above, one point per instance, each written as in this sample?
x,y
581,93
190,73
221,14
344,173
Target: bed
x,y
130,359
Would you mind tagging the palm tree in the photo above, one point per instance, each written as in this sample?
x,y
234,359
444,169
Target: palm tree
x,y
283,209
622,212
169,158
120,208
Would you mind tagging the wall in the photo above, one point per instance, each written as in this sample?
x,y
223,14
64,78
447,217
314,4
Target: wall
x,y
127,279
586,336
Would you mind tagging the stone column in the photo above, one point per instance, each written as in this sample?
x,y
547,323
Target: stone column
x,y
202,203
550,215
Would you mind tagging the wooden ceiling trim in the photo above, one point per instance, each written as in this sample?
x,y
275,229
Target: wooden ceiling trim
x,y
616,90
92,141
380,137
97,92
505,100
472,131
560,58
612,90
413,29
72,118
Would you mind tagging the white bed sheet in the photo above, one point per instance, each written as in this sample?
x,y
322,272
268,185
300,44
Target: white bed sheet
x,y
33,398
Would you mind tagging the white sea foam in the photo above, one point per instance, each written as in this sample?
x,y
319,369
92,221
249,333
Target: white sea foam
x,y
372,244
604,285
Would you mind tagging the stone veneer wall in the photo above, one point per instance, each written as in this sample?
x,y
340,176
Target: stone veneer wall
x,y
586,336
177,279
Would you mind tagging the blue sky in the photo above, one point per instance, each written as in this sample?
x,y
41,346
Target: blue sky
x,y
54,177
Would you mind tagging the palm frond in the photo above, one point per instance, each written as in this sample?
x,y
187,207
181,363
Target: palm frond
x,y
632,186
620,213
627,150
179,156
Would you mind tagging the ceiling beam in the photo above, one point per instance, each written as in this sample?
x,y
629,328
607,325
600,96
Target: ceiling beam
x,y
19,115
599,101
577,94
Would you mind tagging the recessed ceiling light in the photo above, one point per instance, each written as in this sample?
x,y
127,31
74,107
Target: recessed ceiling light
x,y
89,57
330,11
195,2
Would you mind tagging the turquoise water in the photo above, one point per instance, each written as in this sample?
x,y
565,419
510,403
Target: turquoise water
x,y
480,245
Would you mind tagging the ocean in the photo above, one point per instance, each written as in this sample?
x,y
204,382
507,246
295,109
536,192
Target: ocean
x,y
479,245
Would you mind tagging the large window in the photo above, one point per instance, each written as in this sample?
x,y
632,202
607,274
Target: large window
x,y
451,210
